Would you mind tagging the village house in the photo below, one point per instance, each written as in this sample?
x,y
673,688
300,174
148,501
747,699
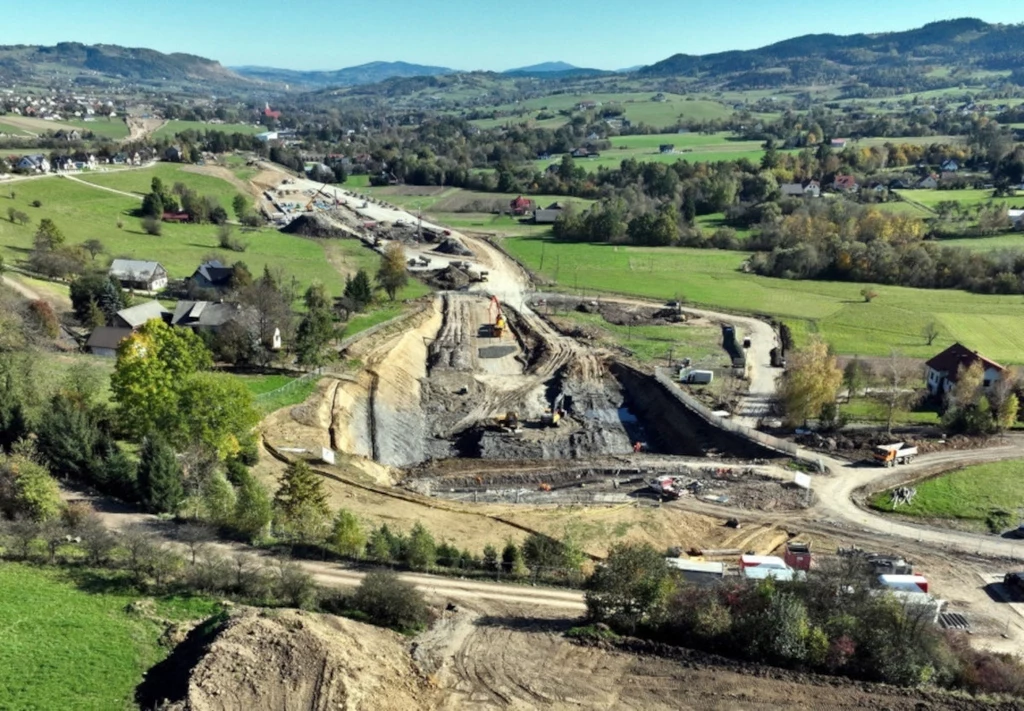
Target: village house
x,y
547,215
944,370
212,275
139,274
36,162
929,183
950,166
521,205
845,183
666,148
210,317
134,317
838,143
104,340
173,154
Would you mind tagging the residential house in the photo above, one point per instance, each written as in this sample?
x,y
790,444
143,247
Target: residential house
x,y
586,105
269,113
266,136
929,183
72,135
521,205
135,317
212,275
845,183
838,143
665,148
36,162
812,188
139,274
173,154
580,152
547,215
210,317
104,340
943,370
898,184
1016,218
175,217
791,190
950,166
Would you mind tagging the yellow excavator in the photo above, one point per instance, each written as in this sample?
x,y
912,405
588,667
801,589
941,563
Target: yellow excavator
x,y
509,422
498,327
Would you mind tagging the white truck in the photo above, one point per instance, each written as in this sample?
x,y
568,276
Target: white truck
x,y
889,455
696,377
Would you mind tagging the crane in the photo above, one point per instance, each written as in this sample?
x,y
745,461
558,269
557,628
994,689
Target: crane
x,y
309,205
498,325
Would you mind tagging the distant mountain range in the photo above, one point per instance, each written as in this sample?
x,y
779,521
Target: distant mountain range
x,y
370,73
891,59
85,64
913,60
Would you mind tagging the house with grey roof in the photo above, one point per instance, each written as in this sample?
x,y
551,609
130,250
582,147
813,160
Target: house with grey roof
x,y
139,274
212,275
211,317
136,316
104,340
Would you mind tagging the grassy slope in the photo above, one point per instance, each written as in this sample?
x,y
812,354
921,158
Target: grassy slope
x,y
968,493
173,127
84,213
64,647
992,324
702,344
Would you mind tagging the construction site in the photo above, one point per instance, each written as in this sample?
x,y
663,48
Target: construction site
x,y
482,415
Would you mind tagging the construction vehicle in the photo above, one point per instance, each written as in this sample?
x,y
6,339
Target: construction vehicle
x,y
889,455
696,377
554,414
312,200
498,324
509,422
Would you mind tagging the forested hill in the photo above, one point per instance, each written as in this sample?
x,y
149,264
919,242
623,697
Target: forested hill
x,y
83,64
896,59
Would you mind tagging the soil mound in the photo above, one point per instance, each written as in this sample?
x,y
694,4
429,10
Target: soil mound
x,y
312,225
450,245
450,278
293,660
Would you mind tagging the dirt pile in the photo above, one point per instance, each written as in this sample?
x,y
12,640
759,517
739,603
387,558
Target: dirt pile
x,y
450,278
450,245
313,225
293,660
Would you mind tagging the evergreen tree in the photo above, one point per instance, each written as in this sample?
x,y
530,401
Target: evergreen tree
x,y
116,473
359,289
300,503
512,559
67,437
253,507
160,486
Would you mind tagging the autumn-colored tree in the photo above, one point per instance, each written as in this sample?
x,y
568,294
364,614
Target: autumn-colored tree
x,y
812,381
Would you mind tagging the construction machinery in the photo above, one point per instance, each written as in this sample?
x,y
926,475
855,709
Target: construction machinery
x,y
312,200
554,414
889,455
509,422
498,318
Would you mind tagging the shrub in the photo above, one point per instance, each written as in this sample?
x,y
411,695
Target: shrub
x,y
36,203
391,602
152,226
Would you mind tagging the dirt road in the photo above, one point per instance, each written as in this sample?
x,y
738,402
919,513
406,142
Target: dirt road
x,y
20,288
72,178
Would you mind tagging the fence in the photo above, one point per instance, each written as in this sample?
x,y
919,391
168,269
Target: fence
x,y
268,396
704,412
355,338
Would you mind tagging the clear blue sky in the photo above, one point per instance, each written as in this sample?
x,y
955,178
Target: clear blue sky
x,y
469,34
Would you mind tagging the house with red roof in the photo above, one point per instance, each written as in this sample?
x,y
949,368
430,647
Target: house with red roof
x,y
269,113
521,205
845,183
943,370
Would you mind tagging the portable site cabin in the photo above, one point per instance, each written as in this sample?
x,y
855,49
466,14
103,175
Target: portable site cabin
x,y
762,561
904,583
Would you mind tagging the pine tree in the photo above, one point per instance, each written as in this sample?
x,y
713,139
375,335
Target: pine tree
x,y
253,508
300,502
160,486
359,288
116,472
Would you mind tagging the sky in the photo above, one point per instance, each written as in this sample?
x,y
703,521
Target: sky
x,y
471,34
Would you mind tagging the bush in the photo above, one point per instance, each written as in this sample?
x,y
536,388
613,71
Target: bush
x,y
152,226
36,203
391,602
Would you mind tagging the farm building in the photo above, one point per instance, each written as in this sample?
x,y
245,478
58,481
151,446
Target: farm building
x,y
173,154
547,215
839,143
929,183
520,205
845,183
136,316
104,340
267,136
138,274
943,370
665,148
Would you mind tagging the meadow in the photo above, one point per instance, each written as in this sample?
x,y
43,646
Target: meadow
x,y
69,646
649,343
836,311
174,126
971,493
931,198
82,212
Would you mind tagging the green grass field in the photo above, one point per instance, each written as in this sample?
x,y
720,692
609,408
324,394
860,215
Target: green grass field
x,y
1014,240
82,212
931,198
139,181
13,130
66,647
971,493
835,310
114,128
174,127
702,344
864,410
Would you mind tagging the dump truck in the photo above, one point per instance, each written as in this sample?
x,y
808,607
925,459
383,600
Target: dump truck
x,y
889,455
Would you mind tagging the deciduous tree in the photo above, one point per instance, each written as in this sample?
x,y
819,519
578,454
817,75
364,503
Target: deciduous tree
x,y
895,391
811,381
392,275
631,587
347,536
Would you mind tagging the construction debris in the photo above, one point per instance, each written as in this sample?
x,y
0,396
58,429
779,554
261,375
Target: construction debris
x,y
902,495
450,245
313,225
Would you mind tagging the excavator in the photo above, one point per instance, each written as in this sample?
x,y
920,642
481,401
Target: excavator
x,y
498,325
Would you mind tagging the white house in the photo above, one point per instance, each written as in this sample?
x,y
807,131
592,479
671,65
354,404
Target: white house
x,y
943,370
139,274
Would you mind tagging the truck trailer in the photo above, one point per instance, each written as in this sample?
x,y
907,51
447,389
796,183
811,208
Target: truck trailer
x,y
889,455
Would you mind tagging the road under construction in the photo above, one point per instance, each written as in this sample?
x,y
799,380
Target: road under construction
x,y
475,399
